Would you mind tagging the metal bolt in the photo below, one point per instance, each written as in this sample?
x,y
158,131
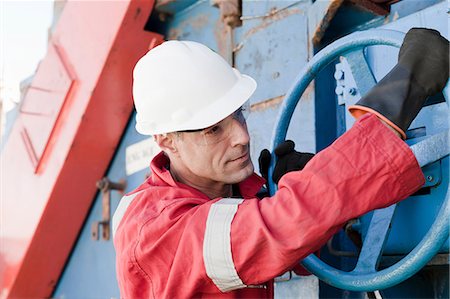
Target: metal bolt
x,y
430,178
352,91
338,75
339,90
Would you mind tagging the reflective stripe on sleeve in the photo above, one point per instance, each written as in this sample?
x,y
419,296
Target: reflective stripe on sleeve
x,y
120,211
217,253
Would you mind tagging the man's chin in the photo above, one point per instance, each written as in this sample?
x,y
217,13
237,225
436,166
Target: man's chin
x,y
242,174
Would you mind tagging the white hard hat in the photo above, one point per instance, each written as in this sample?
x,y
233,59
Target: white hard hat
x,y
184,85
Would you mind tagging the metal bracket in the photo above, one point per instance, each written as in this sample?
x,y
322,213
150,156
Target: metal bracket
x,y
230,12
105,186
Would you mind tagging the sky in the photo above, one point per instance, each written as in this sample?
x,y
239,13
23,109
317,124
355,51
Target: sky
x,y
23,42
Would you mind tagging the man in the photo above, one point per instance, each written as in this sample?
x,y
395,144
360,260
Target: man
x,y
195,228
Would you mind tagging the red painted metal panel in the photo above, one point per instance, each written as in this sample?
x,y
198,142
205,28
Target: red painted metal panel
x,y
73,117
43,102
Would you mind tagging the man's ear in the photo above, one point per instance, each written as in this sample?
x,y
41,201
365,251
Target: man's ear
x,y
166,142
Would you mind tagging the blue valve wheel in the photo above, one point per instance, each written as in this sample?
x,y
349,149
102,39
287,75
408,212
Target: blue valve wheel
x,y
365,277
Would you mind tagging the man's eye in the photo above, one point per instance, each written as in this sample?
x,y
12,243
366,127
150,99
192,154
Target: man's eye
x,y
212,131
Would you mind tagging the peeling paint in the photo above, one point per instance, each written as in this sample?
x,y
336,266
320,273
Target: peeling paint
x,y
267,104
326,20
174,33
395,17
307,96
197,23
223,37
380,8
163,2
266,22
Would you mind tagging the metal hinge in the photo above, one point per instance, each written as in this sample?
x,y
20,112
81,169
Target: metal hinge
x,y
105,186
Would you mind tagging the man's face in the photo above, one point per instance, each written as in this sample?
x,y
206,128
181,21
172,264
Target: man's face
x,y
219,153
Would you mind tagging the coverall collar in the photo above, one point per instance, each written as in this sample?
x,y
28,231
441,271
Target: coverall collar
x,y
161,176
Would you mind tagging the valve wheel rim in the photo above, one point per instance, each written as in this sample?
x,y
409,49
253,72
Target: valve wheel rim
x,y
439,231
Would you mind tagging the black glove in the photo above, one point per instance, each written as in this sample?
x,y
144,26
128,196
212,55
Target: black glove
x,y
288,160
264,163
425,53
422,70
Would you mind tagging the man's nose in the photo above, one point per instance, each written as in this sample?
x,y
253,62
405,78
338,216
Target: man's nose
x,y
239,133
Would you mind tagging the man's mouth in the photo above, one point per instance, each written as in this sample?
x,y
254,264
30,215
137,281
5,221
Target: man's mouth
x,y
242,158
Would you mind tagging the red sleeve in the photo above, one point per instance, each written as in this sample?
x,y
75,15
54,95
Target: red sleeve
x,y
365,169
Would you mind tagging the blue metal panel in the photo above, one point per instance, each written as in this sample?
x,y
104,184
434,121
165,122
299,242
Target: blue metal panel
x,y
272,46
200,22
90,272
173,6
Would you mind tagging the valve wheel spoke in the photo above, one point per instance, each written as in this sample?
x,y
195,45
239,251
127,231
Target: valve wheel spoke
x,y
373,244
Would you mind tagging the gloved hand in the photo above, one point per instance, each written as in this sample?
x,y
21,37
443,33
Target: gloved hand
x,y
422,70
288,160
425,53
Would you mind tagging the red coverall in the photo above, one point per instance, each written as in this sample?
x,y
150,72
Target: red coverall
x,y
172,241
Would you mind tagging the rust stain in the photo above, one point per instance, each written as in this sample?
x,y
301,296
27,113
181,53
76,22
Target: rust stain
x,y
309,92
270,103
266,22
380,7
162,2
395,17
197,24
267,104
326,20
222,35
174,33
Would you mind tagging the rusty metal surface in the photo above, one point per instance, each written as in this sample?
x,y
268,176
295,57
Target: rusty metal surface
x,y
380,8
268,19
202,23
385,1
322,26
230,12
266,104
172,6
271,46
324,15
